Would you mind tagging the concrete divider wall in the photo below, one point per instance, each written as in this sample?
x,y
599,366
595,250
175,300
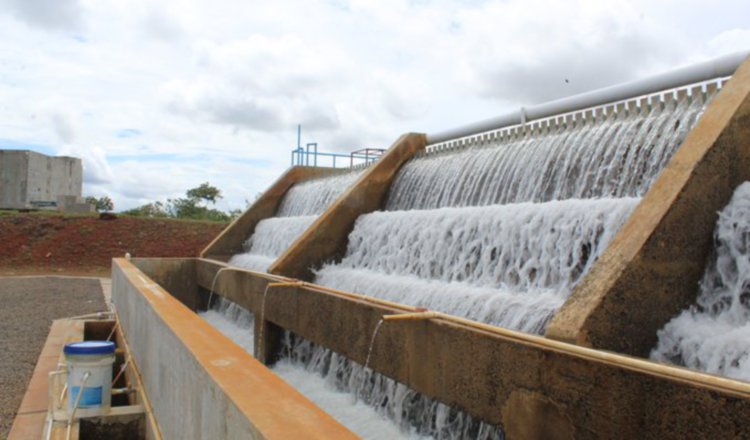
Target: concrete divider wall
x,y
650,271
202,385
230,241
533,387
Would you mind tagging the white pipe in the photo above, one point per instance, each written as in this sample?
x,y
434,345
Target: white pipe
x,y
719,67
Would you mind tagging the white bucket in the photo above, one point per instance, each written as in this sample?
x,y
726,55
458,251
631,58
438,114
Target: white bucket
x,y
90,375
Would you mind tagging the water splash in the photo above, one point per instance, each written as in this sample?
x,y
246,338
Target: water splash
x,y
510,265
714,334
235,322
415,415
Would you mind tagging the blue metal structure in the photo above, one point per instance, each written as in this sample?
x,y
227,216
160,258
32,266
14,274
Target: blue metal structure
x,y
310,156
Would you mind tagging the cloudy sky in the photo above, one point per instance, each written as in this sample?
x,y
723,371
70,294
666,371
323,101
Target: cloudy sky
x,y
160,96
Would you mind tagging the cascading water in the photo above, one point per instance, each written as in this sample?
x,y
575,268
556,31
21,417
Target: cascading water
x,y
618,156
235,322
482,262
299,208
412,414
372,406
501,232
714,335
496,232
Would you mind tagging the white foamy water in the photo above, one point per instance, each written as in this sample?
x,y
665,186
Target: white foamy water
x,y
312,197
233,321
507,265
411,414
236,323
714,334
272,237
617,157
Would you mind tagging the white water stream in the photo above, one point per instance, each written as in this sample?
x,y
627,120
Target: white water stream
x,y
714,334
508,265
617,157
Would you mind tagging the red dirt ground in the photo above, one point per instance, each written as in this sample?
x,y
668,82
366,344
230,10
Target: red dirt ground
x,y
33,243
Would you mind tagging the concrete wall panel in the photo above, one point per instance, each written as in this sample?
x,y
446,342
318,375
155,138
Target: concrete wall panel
x,y
13,179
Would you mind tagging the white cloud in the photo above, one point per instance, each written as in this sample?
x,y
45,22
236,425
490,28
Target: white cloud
x,y
96,169
213,90
47,14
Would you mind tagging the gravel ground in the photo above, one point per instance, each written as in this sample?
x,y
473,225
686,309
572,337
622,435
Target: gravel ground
x,y
27,308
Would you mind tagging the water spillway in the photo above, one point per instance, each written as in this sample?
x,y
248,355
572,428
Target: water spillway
x,y
507,255
502,229
714,334
298,209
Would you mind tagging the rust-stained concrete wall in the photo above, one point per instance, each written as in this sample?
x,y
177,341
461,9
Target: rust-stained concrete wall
x,y
327,237
531,386
651,269
230,241
175,275
203,386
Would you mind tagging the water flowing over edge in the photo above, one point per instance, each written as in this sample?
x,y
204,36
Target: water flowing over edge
x,y
619,156
507,265
714,334
272,236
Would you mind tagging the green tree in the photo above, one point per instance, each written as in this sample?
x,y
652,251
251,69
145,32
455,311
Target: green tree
x,y
155,209
103,203
205,192
189,207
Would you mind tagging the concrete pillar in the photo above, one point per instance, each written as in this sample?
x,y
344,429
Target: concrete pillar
x,y
268,341
327,237
650,271
230,241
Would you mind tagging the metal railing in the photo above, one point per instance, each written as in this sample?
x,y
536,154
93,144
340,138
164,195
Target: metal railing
x,y
310,156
